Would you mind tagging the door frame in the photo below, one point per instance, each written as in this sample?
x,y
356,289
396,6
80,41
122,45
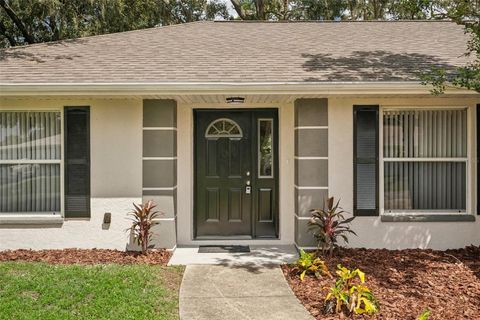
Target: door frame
x,y
254,158
185,163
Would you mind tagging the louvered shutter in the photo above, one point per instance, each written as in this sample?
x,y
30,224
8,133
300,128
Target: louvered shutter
x,y
77,162
366,161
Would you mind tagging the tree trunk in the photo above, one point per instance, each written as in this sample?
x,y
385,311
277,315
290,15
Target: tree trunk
x,y
28,37
260,5
52,23
238,8
285,9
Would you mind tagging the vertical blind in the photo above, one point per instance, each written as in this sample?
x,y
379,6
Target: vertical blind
x,y
425,155
30,155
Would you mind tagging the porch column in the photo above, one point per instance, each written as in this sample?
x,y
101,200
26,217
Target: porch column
x,y
311,164
159,166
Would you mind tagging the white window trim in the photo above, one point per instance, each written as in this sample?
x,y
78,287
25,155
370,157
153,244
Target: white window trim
x,y
259,155
233,136
468,163
41,217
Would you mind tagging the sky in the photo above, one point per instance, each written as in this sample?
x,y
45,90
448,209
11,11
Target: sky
x,y
231,10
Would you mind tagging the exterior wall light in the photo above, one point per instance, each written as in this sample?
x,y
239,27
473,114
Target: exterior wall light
x,y
235,100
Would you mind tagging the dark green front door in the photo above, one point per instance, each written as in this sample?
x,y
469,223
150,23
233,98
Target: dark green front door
x,y
236,173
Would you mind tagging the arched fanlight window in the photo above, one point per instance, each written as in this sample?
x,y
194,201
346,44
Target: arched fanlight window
x,y
223,128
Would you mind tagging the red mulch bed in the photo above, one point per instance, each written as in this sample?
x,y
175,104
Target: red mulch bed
x,y
405,282
83,256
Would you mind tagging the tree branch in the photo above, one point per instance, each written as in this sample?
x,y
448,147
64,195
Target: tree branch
x,y
28,37
238,7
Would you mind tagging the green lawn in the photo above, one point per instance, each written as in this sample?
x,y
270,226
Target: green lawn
x,y
43,291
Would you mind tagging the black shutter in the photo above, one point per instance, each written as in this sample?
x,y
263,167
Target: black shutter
x,y
365,161
478,158
77,162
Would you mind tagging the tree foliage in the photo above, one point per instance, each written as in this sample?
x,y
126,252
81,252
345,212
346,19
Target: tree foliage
x,y
340,9
31,21
466,13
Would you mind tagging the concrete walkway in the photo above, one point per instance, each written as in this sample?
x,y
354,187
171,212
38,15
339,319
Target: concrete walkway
x,y
259,256
238,292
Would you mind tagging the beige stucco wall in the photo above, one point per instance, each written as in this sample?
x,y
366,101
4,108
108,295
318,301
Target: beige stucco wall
x,y
116,177
373,233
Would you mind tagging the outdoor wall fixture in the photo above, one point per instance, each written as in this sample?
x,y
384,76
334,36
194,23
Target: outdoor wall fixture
x,y
107,218
235,100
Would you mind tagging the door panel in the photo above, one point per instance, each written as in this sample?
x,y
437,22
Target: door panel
x,y
235,205
265,213
213,205
226,163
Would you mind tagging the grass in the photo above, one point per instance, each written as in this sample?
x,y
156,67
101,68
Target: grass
x,y
44,291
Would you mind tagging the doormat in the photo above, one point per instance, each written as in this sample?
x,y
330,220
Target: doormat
x,y
223,249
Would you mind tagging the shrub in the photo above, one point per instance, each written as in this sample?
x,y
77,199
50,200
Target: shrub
x,y
329,224
143,219
309,263
425,315
350,295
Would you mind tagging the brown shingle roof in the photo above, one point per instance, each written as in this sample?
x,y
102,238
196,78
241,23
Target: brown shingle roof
x,y
243,52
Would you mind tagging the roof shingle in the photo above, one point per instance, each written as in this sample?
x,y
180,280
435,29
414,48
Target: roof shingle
x,y
225,52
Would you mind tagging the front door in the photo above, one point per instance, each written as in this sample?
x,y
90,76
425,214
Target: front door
x,y
236,174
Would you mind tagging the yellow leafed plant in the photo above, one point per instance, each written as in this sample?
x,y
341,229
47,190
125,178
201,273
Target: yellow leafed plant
x,y
349,295
309,263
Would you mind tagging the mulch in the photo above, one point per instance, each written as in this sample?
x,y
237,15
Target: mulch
x,y
87,256
406,282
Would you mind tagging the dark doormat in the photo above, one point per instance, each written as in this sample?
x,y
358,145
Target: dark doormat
x,y
223,249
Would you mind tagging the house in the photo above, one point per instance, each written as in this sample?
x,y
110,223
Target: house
x,y
236,130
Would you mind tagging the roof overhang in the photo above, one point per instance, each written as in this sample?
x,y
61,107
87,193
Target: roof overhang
x,y
189,88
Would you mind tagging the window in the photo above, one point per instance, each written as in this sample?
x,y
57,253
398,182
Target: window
x,y
425,160
30,161
223,128
265,148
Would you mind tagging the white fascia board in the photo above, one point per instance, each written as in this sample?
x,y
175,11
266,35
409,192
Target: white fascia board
x,y
190,88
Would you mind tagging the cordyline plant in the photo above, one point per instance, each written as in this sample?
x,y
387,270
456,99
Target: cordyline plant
x,y
143,219
329,224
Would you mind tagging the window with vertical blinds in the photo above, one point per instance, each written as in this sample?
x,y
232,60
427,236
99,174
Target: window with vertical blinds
x,y
425,160
30,160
